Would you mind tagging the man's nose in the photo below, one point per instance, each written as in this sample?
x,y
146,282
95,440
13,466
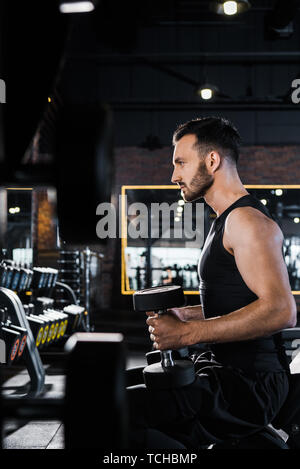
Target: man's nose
x,y
175,177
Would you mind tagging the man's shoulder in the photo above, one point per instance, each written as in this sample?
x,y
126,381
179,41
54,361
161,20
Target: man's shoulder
x,y
250,220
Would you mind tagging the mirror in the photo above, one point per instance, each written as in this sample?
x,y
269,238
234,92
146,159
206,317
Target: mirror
x,y
18,236
29,223
156,252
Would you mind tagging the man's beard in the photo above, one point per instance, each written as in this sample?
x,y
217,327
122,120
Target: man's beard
x,y
199,185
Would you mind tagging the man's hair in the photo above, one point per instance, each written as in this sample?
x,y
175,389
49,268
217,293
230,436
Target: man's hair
x,y
212,133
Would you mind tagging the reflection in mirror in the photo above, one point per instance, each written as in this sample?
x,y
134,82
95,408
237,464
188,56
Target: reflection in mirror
x,y
18,237
149,260
31,224
164,238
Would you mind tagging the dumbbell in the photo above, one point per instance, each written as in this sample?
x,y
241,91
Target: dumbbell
x,y
37,328
53,274
15,278
12,341
58,320
63,321
3,274
9,276
169,373
28,282
42,303
55,322
23,338
75,314
38,278
24,274
51,325
47,330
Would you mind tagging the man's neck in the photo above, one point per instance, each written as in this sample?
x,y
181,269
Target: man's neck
x,y
220,198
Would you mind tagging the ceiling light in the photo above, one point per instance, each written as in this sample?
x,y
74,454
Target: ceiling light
x,y
230,8
67,6
278,192
207,91
263,201
296,220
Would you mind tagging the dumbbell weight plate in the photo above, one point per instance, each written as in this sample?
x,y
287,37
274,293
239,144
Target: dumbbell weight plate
x,y
12,343
60,329
50,334
23,338
54,326
38,340
57,322
61,317
158,298
51,331
65,326
45,335
22,345
15,279
9,276
3,275
35,325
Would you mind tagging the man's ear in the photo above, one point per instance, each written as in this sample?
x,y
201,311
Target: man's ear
x,y
213,161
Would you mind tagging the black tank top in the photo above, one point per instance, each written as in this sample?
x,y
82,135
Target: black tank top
x,y
223,290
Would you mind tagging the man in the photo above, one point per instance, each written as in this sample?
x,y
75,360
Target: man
x,y
245,299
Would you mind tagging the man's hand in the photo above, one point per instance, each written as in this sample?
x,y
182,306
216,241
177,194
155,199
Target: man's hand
x,y
168,332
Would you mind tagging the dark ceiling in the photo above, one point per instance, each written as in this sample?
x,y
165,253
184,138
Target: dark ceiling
x,y
145,60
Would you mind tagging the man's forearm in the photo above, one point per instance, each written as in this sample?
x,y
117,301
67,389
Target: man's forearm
x,y
189,313
193,313
260,318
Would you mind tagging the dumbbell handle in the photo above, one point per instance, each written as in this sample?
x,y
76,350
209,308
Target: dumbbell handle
x,y
166,355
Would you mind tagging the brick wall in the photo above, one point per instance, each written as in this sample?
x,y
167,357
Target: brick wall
x,y
133,165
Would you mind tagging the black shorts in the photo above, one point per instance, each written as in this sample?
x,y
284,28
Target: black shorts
x,y
222,403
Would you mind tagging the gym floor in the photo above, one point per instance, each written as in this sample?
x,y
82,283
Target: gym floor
x,y
42,434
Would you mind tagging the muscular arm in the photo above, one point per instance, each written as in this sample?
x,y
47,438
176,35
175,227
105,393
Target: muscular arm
x,y
188,313
256,244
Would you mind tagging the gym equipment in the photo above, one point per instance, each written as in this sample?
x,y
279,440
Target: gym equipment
x,y
102,401
14,337
56,324
63,320
170,372
87,399
12,341
70,274
34,287
37,327
34,327
23,338
105,402
75,315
